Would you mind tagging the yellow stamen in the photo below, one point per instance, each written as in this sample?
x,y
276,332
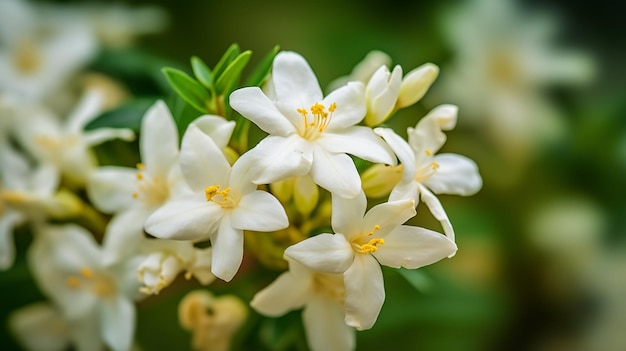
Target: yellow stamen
x,y
86,272
376,227
222,198
319,122
135,195
27,58
371,246
73,282
428,152
139,176
434,165
141,166
211,191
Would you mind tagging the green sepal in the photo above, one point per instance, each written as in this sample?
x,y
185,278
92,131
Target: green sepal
x,y
262,70
227,80
128,115
202,72
188,88
231,53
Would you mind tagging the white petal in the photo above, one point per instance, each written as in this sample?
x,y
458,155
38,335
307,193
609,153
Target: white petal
x,y
456,175
416,83
117,323
279,158
123,234
185,218
365,292
111,188
325,328
45,180
406,190
8,221
85,333
437,210
288,292
254,105
39,326
347,214
217,127
383,95
243,173
329,253
158,143
98,136
358,141
428,133
295,84
351,106
402,149
414,247
201,161
89,107
335,173
388,216
227,250
259,211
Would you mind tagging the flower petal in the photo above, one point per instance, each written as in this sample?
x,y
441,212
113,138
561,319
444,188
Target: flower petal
x,y
186,218
8,221
416,83
365,292
414,247
288,292
280,158
123,234
254,105
100,135
388,216
88,107
117,323
217,127
456,175
324,325
227,250
437,211
295,84
201,161
358,141
406,190
329,253
259,211
158,143
428,133
402,149
351,106
111,188
347,214
335,173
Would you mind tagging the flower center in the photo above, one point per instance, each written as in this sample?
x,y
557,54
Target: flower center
x,y
220,197
372,244
26,58
319,120
152,190
330,285
100,285
427,169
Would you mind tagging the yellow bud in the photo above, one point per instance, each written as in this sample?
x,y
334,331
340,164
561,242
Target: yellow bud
x,y
380,179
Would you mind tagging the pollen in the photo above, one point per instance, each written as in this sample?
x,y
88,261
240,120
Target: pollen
x,y
73,282
375,228
320,118
141,166
434,165
86,272
220,197
135,195
211,191
372,245
428,152
139,176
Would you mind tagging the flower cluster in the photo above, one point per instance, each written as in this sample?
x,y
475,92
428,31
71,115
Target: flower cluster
x,y
297,196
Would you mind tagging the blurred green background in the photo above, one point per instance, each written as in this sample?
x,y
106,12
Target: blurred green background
x,y
542,256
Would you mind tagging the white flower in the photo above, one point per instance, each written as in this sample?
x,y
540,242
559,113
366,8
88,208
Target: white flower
x,y
387,92
309,133
423,170
322,297
165,259
65,144
95,300
223,204
40,327
40,52
362,241
25,194
363,70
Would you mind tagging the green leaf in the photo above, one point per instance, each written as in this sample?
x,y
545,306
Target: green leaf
x,y
231,53
128,115
232,73
416,278
258,76
188,88
202,72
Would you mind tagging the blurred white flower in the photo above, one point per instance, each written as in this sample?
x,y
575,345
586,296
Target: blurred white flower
x,y
212,320
363,70
64,143
224,202
322,295
503,61
40,327
95,300
423,170
364,241
40,52
309,133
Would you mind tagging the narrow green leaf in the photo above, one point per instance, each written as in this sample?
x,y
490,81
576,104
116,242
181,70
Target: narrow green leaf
x,y
231,53
232,73
128,115
202,72
261,71
188,88
416,278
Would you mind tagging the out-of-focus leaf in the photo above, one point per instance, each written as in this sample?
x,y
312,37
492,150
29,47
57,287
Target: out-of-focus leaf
x,y
188,88
416,278
284,333
202,72
226,81
183,114
128,115
260,72
231,53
